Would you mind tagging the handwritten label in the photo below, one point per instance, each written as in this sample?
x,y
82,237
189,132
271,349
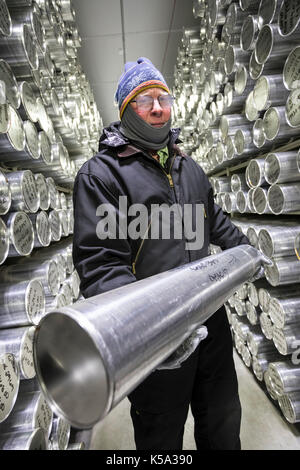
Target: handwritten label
x,y
45,148
35,301
271,123
291,71
264,44
42,189
44,415
9,384
31,139
289,16
26,355
29,191
280,341
4,120
265,242
52,277
5,21
55,225
5,194
22,233
293,108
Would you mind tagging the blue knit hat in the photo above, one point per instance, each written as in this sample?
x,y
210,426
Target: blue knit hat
x,y
138,76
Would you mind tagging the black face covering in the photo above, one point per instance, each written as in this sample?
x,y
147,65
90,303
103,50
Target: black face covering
x,y
143,134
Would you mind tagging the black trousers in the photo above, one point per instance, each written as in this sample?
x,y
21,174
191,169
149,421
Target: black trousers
x,y
207,382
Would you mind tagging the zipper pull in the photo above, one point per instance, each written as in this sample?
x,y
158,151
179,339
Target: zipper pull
x,y
170,180
133,268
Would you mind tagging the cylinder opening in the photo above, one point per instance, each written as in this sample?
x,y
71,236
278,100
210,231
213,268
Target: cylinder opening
x,y
70,370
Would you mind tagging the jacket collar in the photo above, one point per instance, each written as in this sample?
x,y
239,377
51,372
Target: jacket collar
x,y
111,137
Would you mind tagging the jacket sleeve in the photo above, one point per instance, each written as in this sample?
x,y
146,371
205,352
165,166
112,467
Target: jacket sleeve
x,y
222,231
102,264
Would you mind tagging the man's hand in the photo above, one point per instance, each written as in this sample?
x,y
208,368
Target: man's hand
x,y
261,272
185,349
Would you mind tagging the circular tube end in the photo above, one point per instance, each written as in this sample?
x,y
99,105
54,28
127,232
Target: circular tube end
x,y
70,369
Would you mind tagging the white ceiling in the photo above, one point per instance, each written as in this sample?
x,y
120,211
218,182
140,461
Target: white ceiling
x,y
152,28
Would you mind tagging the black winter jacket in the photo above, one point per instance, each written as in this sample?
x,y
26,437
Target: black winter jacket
x,y
120,169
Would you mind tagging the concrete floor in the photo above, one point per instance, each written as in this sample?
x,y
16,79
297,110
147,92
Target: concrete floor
x,y
263,427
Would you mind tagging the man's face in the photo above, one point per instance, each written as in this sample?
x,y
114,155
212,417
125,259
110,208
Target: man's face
x,y
157,116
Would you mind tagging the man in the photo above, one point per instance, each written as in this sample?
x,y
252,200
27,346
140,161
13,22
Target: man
x,y
139,159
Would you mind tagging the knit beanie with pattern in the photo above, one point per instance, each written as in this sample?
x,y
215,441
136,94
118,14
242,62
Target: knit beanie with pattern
x,y
137,77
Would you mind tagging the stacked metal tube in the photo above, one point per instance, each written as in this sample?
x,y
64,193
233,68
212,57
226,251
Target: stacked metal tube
x,y
49,125
238,97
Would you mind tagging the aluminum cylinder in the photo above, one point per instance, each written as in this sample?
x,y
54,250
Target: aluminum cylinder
x,y
22,303
21,233
290,406
42,229
31,411
255,173
12,140
55,224
258,343
242,202
269,91
19,342
292,108
4,241
289,18
258,131
281,167
5,194
242,81
276,126
46,272
234,19
249,33
43,191
234,57
19,49
23,190
261,362
285,311
230,202
297,246
52,328
31,17
285,377
268,11
238,182
284,198
270,44
229,123
291,71
28,109
252,313
10,381
273,244
283,271
60,434
251,112
27,440
266,325
285,339
5,23
11,86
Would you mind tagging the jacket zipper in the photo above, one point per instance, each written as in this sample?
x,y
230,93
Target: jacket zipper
x,y
171,183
